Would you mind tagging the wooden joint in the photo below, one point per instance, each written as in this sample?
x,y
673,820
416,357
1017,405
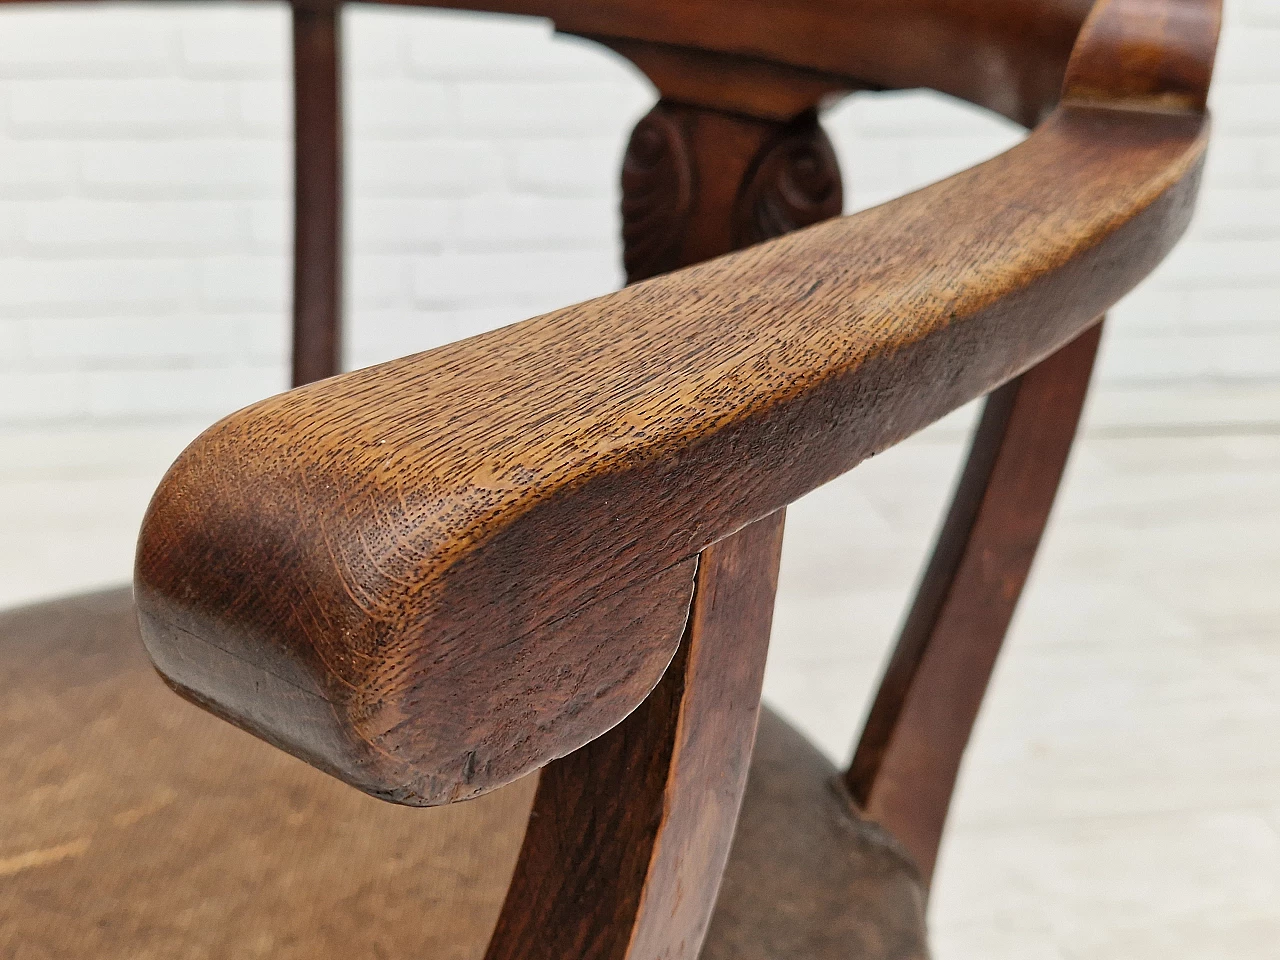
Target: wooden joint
x,y
650,807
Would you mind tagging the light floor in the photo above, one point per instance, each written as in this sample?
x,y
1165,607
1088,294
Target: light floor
x,y
1122,798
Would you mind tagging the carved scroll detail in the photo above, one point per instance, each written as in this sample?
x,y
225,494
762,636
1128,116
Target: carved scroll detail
x,y
657,195
795,182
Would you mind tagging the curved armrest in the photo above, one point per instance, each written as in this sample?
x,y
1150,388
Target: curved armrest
x,y
431,576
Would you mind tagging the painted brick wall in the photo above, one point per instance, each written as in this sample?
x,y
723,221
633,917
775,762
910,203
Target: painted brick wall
x,y
144,176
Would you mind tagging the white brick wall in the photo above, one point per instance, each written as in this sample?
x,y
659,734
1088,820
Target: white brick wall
x,y
144,176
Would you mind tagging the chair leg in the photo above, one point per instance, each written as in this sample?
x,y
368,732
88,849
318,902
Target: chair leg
x,y
905,766
317,230
629,835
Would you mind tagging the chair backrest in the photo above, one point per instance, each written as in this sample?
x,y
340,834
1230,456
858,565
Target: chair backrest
x,y
432,577
743,74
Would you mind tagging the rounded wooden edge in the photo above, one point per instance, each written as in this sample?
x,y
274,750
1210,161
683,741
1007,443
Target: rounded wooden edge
x,y
1145,55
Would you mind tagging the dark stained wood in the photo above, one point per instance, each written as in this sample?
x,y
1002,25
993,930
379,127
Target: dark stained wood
x,y
905,767
560,685
317,231
1127,57
745,86
698,183
629,835
657,195
1007,55
380,541
659,794
794,182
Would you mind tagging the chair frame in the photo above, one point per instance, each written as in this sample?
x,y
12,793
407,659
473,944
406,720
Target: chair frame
x,y
665,622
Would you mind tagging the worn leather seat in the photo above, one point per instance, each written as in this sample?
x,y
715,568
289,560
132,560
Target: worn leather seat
x,y
138,826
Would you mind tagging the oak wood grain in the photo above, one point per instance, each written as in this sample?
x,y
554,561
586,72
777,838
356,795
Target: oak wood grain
x,y
376,538
434,576
717,171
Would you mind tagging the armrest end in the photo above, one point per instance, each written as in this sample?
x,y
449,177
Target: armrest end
x,y
269,613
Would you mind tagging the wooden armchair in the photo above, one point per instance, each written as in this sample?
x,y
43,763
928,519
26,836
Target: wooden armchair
x,y
536,567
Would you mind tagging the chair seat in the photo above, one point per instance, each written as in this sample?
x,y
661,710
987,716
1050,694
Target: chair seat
x,y
138,826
